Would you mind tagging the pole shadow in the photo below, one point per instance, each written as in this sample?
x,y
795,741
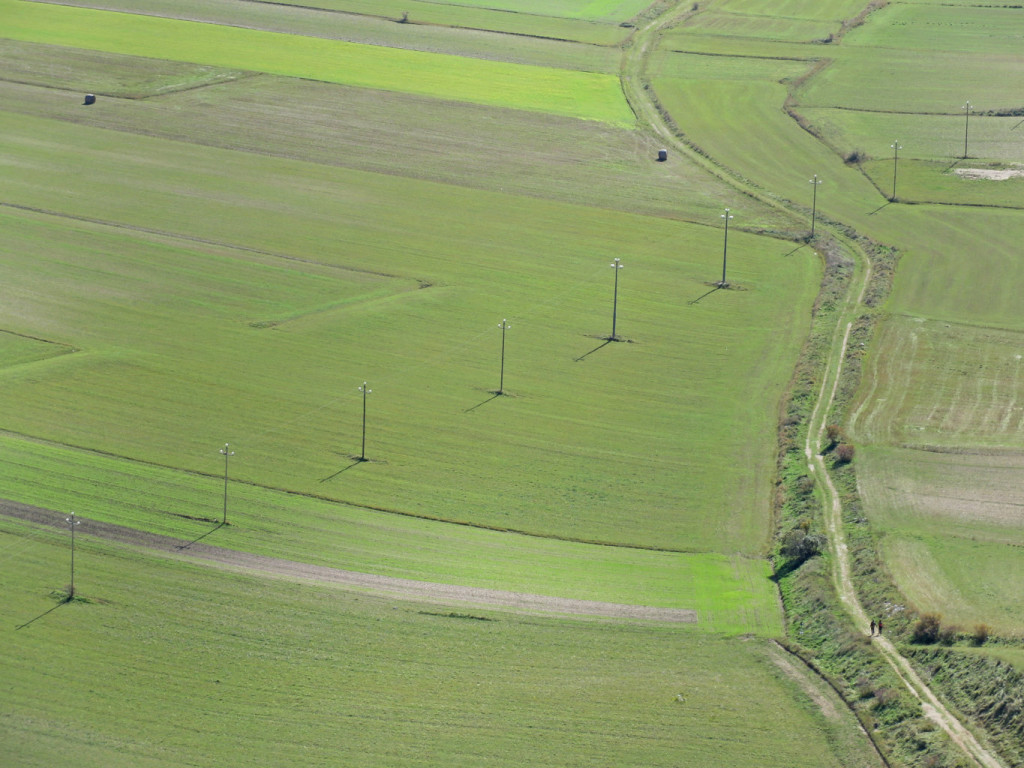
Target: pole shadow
x,y
882,207
716,288
41,615
343,469
802,245
217,527
602,345
494,396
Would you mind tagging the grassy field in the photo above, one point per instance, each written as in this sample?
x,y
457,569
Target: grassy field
x,y
471,32
168,663
254,220
943,371
589,95
515,151
264,301
731,593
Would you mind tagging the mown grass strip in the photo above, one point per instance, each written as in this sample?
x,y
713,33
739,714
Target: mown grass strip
x,y
586,95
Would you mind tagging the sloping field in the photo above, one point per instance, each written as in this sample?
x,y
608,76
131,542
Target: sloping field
x,y
588,95
278,374
170,663
513,151
731,594
953,530
976,392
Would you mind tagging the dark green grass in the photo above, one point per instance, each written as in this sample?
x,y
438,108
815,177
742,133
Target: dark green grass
x,y
162,662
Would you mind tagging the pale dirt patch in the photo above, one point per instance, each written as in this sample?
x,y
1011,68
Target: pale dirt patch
x,y
404,589
989,174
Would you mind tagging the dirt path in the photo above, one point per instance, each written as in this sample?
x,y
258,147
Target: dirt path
x,y
932,707
632,75
406,589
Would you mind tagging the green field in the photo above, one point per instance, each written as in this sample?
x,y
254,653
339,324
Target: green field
x,y
170,663
942,372
271,302
588,95
270,205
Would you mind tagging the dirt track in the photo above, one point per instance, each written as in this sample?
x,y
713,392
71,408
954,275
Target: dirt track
x,y
444,594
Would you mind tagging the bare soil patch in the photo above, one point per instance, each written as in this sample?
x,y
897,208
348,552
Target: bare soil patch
x,y
989,174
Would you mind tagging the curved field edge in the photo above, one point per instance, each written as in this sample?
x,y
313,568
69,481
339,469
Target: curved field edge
x,y
731,594
586,95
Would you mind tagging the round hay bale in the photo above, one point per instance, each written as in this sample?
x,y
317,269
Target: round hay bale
x,y
90,98
662,155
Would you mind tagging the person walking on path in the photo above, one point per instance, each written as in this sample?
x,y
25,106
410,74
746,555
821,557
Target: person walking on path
x,y
872,627
879,627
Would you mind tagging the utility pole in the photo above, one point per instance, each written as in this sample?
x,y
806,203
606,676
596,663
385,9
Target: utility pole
x,y
616,265
895,163
814,202
74,523
365,390
725,247
967,122
227,454
501,380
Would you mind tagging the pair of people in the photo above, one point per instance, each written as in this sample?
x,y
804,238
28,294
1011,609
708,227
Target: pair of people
x,y
876,625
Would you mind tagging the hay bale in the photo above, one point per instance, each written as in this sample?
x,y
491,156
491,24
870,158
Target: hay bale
x,y
662,155
90,99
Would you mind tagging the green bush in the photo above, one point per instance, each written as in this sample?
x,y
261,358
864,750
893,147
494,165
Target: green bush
x,y
980,634
927,629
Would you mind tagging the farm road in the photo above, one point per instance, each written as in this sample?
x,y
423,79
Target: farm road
x,y
633,72
406,589
933,708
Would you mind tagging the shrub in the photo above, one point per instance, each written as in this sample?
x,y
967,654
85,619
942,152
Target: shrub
x,y
856,157
948,635
980,634
927,629
844,453
800,546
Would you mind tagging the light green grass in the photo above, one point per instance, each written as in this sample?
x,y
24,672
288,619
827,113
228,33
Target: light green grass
x,y
989,30
206,344
862,78
759,26
173,663
480,35
938,182
619,10
925,137
731,595
587,95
